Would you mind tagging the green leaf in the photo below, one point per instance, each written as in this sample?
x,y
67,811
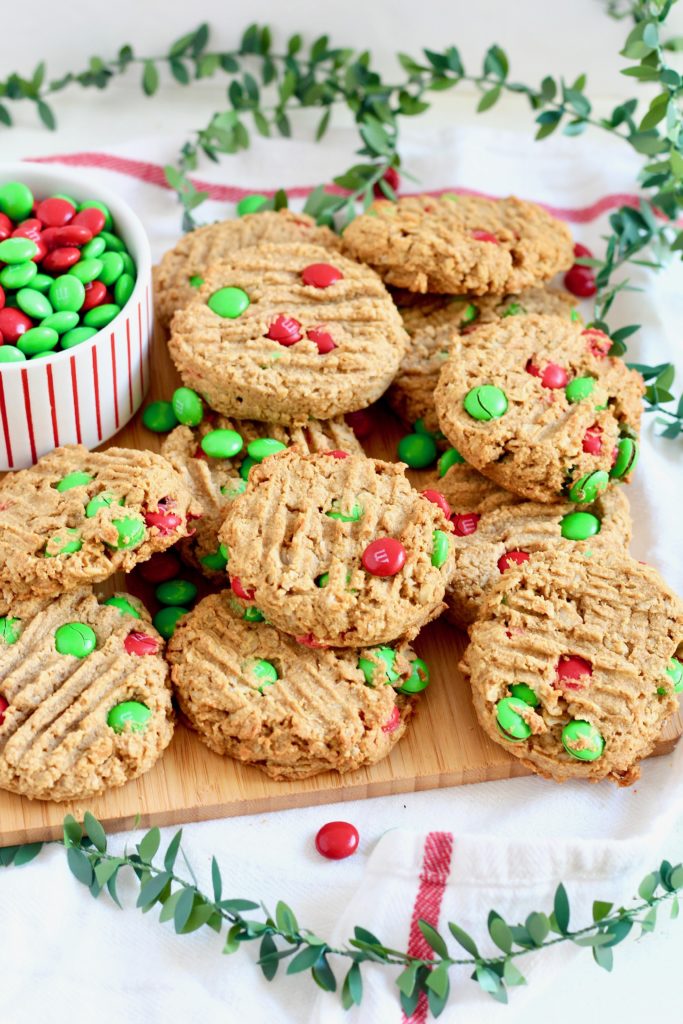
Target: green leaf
x,y
561,908
183,908
179,71
676,877
437,979
675,907
488,979
604,957
294,45
5,116
323,975
512,975
201,914
601,909
500,932
647,887
267,963
496,62
46,115
168,909
463,939
79,865
488,99
319,48
598,939
304,959
352,989
323,124
434,939
149,844
151,890
285,919
237,906
95,832
538,927
232,942
106,869
437,1003
25,854
172,851
407,979
150,78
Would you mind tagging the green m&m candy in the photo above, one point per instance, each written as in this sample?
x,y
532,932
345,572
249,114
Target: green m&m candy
x,y
75,638
228,302
252,614
509,716
522,691
322,580
16,200
234,488
245,467
160,417
18,275
124,606
470,314
262,447
87,270
76,479
417,450
579,525
64,544
579,388
17,250
514,309
195,281
384,672
123,289
176,592
11,354
61,322
486,402
104,500
41,282
131,532
76,336
112,268
588,486
166,619
33,303
100,316
113,242
131,715
351,516
215,560
583,741
37,339
451,457
250,204
440,548
675,673
627,457
67,292
187,406
265,672
222,444
94,248
418,679
9,630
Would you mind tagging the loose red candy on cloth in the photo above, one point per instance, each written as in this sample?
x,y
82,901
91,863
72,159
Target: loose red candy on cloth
x,y
285,330
512,558
582,251
337,840
393,722
320,275
165,522
385,556
239,591
140,644
54,212
437,498
323,339
465,523
580,281
484,236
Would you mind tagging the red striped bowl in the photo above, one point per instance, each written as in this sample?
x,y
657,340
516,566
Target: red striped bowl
x,y
87,393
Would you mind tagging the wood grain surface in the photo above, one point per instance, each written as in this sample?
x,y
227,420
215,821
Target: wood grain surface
x,y
443,747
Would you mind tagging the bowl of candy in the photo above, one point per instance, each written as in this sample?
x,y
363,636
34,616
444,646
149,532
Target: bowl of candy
x,y
75,312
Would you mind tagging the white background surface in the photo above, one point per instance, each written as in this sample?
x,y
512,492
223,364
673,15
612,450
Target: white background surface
x,y
172,979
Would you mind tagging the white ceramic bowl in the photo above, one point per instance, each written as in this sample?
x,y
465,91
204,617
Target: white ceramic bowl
x,y
87,393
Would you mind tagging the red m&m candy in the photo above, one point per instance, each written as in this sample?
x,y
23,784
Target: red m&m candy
x,y
465,523
592,440
337,453
59,260
597,342
239,591
580,281
54,212
512,558
484,236
320,275
361,423
3,708
322,338
140,644
95,295
285,330
13,323
392,723
438,499
570,669
91,218
161,567
6,227
384,557
393,180
31,228
582,250
337,839
165,522
552,376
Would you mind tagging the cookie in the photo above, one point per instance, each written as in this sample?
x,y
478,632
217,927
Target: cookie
x,y
573,663
85,702
460,244
78,517
536,404
214,480
283,333
180,272
434,321
257,695
338,551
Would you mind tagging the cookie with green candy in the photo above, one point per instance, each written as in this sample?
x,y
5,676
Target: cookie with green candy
x,y
573,662
85,695
432,323
537,404
255,694
214,457
77,516
183,268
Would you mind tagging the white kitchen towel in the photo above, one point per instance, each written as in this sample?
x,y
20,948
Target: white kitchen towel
x,y
511,841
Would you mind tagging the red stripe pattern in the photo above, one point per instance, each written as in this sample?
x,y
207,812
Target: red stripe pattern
x,y
153,174
74,392
5,426
53,404
436,866
96,384
115,389
29,414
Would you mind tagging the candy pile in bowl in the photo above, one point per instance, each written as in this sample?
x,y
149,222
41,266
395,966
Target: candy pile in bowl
x,y
64,272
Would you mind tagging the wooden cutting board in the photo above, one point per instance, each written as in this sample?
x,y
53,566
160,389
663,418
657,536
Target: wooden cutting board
x,y
443,747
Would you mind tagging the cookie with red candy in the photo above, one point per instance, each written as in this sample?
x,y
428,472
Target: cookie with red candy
x,y
537,404
78,516
85,702
338,551
574,662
